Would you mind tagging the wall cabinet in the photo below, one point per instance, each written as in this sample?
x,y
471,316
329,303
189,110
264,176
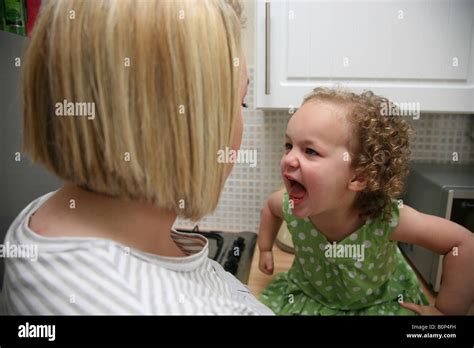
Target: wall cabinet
x,y
411,51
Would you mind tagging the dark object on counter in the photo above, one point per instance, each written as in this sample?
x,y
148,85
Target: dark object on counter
x,y
234,251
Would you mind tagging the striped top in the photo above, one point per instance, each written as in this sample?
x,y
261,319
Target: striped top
x,y
76,275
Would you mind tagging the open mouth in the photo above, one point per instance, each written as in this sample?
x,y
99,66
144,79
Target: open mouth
x,y
297,191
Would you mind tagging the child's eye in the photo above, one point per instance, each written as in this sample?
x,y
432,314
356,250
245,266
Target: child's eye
x,y
311,152
288,146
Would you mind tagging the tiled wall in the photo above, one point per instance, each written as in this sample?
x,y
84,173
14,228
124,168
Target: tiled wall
x,y
438,136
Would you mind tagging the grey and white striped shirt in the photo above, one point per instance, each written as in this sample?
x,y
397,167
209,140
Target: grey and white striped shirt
x,y
100,276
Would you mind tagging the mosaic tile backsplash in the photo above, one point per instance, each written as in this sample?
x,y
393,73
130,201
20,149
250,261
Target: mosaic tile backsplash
x,y
438,137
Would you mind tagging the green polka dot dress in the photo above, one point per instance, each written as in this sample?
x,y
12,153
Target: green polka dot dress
x,y
363,274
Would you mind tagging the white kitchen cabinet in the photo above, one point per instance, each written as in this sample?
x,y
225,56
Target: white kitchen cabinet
x,y
411,51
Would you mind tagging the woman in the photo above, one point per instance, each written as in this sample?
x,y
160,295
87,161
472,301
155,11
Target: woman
x,y
128,102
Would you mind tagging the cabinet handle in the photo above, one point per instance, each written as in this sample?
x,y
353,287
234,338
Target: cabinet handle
x,y
267,48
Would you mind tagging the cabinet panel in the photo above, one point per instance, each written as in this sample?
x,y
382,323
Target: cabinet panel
x,y
421,49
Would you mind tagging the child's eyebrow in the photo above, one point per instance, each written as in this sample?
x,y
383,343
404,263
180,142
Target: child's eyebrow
x,y
311,142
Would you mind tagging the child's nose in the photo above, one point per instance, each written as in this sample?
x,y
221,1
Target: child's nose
x,y
291,159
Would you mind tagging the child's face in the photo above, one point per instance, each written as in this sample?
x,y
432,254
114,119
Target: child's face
x,y
316,165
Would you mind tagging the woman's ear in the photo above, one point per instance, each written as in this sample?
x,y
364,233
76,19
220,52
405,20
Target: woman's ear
x,y
358,182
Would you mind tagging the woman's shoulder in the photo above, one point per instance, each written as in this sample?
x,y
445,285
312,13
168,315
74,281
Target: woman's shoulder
x,y
94,276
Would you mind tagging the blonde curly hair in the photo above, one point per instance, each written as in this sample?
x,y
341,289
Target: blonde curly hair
x,y
379,149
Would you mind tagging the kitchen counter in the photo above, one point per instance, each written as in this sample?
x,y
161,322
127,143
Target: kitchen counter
x,y
259,280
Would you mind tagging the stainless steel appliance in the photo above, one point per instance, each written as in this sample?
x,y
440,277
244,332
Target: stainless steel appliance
x,y
445,190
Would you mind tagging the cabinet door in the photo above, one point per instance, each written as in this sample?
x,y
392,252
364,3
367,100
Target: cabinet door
x,y
411,51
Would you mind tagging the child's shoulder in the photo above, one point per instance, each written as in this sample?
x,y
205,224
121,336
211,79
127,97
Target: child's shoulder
x,y
387,221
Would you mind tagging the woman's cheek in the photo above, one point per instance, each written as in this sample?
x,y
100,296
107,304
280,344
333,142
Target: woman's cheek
x,y
236,139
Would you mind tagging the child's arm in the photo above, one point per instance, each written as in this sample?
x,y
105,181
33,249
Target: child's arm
x,y
450,239
272,217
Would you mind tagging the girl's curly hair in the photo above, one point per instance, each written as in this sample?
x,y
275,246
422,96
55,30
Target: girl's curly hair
x,y
379,148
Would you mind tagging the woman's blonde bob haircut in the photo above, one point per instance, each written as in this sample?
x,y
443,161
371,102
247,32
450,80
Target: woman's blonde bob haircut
x,y
162,78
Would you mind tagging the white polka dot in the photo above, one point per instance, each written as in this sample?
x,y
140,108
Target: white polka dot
x,y
328,288
318,268
302,236
311,259
294,223
378,232
353,236
367,243
314,233
358,264
378,301
341,266
319,283
328,275
402,277
301,260
363,300
393,222
368,222
369,291
363,276
371,265
306,219
322,246
335,271
375,278
351,274
380,266
355,289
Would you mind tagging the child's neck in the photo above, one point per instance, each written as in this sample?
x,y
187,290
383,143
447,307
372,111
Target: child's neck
x,y
336,225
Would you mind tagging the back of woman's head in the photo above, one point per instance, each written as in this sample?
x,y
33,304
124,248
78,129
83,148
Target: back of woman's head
x,y
161,87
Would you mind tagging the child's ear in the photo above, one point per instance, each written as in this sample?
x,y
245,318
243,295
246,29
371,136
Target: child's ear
x,y
357,183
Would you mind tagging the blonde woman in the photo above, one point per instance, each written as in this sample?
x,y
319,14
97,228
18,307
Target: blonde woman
x,y
128,102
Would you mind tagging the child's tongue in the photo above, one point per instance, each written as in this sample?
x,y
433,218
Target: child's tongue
x,y
297,190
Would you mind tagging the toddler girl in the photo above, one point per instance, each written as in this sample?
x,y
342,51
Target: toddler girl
x,y
344,165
